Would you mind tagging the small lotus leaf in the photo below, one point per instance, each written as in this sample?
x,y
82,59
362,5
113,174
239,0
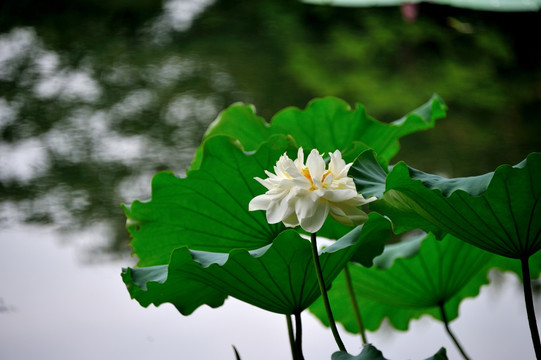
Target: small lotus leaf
x,y
370,352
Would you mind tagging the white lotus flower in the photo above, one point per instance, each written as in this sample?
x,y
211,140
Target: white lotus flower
x,y
304,195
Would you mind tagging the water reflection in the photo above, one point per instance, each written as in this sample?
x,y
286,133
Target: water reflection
x,y
91,108
79,140
178,15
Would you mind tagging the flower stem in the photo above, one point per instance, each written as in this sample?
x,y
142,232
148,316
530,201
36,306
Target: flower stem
x,y
291,337
446,323
237,356
298,336
323,290
528,298
356,310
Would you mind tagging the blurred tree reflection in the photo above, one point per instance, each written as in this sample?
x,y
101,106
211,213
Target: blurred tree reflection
x,y
96,97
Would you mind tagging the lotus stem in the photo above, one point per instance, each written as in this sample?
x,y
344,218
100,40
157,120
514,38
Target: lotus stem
x,y
528,299
446,323
298,337
324,295
356,310
237,356
291,337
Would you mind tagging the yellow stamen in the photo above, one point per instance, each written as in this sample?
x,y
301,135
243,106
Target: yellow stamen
x,y
306,174
325,175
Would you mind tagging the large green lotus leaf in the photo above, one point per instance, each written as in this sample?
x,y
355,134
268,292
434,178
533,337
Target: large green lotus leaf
x,y
370,352
445,271
240,122
486,5
514,265
376,232
154,285
369,177
208,209
403,249
326,124
332,229
329,124
499,212
279,277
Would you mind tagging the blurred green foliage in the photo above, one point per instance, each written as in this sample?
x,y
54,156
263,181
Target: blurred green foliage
x,y
157,85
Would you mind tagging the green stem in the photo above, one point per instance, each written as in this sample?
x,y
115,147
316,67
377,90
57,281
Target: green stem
x,y
291,337
528,298
356,310
237,356
446,323
298,337
323,290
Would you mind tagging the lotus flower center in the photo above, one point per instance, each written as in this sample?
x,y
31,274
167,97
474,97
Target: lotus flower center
x,y
306,174
325,175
